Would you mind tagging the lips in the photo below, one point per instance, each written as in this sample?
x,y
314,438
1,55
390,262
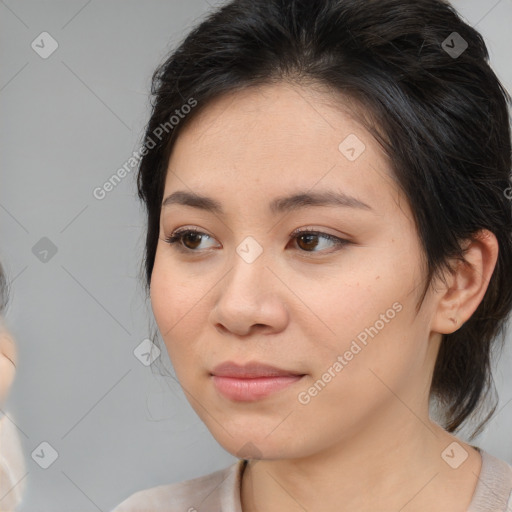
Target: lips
x,y
251,381
250,371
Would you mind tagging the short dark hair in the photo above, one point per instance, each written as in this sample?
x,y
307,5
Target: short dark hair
x,y
442,118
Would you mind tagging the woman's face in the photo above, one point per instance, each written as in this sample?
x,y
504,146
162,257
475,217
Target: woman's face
x,y
336,315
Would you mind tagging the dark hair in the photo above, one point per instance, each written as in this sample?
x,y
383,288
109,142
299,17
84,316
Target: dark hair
x,y
440,115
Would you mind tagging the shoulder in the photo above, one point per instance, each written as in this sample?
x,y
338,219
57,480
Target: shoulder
x,y
219,490
494,487
12,464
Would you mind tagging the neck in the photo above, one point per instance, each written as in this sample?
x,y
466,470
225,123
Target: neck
x,y
392,466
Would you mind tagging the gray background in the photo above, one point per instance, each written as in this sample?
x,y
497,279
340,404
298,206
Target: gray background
x,y
67,124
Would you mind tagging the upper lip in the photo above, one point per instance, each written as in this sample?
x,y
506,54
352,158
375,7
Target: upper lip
x,y
250,370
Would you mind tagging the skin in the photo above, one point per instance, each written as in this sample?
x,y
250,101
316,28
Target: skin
x,y
8,358
366,441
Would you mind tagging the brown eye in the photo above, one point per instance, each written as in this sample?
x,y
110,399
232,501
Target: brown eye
x,y
309,240
187,240
191,240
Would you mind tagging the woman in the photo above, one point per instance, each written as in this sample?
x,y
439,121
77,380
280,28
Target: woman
x,y
7,347
329,254
12,466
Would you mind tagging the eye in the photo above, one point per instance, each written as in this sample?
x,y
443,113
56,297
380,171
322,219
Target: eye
x,y
188,240
308,239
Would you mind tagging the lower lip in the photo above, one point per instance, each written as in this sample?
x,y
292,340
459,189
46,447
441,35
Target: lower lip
x,y
250,390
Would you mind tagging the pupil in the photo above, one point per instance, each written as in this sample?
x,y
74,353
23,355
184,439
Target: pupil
x,y
193,235
309,240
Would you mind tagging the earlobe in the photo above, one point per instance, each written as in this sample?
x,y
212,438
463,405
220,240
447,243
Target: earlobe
x,y
466,285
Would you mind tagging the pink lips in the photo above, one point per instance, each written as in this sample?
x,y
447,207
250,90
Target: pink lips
x,y
251,382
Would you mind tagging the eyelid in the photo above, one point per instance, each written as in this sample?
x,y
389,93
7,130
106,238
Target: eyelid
x,y
319,231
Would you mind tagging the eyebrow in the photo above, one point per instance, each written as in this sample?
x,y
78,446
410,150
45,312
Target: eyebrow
x,y
278,205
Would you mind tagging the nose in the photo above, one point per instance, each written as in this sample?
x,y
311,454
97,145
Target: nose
x,y
250,299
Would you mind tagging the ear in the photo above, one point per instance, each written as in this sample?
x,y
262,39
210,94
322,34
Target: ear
x,y
465,287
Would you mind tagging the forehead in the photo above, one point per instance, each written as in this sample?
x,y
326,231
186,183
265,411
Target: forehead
x,y
281,136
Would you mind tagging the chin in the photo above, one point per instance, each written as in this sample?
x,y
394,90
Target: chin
x,y
254,442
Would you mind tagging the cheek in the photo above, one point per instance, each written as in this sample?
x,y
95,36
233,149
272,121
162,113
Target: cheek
x,y
170,296
351,379
364,303
178,307
375,323
383,354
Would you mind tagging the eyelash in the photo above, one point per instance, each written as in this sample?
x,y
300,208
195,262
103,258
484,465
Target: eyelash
x,y
177,237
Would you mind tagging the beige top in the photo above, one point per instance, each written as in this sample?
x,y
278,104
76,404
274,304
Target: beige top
x,y
220,491
12,465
